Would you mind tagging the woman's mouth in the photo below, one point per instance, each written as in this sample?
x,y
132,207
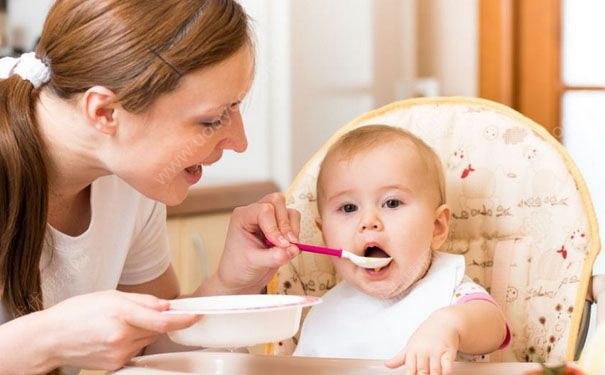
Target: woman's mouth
x,y
193,173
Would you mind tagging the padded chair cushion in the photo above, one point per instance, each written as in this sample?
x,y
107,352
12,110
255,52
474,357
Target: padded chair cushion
x,y
522,217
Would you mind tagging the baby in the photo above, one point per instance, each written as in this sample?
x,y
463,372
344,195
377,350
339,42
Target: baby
x,y
381,193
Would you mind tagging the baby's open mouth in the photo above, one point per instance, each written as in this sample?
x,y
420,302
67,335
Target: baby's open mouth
x,y
376,252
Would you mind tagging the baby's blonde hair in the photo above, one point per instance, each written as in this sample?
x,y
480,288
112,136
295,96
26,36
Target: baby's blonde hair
x,y
370,136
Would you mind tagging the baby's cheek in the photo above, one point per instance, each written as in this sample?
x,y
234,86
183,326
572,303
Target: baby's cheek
x,y
414,267
341,265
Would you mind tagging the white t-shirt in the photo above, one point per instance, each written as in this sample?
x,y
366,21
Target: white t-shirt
x,y
126,243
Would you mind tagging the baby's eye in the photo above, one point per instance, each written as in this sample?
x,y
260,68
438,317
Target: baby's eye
x,y
349,207
392,203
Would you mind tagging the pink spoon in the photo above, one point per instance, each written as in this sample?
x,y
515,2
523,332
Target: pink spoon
x,y
363,262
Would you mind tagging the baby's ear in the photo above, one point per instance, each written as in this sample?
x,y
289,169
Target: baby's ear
x,y
441,226
318,223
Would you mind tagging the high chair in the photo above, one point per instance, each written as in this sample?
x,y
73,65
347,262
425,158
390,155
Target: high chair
x,y
521,216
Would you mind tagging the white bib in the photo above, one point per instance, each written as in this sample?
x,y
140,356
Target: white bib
x,y
352,324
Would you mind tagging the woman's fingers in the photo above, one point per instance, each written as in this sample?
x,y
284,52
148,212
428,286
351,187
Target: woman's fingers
x,y
267,222
142,343
155,321
270,216
285,251
294,216
146,300
282,216
260,217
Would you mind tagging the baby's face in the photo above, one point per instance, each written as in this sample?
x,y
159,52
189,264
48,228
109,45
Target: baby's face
x,y
381,203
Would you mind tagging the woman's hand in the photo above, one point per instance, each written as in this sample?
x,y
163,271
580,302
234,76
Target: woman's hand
x,y
104,330
247,265
431,349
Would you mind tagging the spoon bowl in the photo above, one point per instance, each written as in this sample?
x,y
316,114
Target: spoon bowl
x,y
366,262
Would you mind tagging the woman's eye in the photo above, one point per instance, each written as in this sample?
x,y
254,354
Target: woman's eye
x,y
213,124
349,207
218,122
235,106
392,203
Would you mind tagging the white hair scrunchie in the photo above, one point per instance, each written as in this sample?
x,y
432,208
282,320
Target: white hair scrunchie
x,y
27,67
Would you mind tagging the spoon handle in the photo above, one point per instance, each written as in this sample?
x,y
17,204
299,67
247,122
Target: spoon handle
x,y
313,249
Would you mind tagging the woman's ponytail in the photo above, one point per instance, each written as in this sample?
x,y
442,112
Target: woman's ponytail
x,y
23,198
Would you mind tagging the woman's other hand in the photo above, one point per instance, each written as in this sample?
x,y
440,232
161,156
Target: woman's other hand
x,y
104,330
247,265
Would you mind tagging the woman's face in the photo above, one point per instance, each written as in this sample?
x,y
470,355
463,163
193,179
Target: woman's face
x,y
162,151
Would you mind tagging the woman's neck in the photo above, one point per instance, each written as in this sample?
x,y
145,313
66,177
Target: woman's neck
x,y
73,148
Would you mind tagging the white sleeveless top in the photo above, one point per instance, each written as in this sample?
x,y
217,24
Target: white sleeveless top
x,y
352,324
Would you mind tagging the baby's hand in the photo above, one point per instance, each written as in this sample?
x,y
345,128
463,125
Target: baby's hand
x,y
431,349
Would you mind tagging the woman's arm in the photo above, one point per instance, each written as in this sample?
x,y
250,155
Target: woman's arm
x,y
165,286
100,330
26,345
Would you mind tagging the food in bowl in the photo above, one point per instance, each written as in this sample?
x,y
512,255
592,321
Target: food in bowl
x,y
239,320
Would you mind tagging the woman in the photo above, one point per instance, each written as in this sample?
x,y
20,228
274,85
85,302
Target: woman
x,y
120,108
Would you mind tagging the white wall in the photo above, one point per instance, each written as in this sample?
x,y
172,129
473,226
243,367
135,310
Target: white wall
x,y
25,20
448,45
256,163
348,57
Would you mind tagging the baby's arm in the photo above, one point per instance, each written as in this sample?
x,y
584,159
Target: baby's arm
x,y
469,296
474,324
433,346
480,326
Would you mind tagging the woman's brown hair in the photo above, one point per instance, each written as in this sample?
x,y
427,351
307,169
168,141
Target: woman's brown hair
x,y
139,49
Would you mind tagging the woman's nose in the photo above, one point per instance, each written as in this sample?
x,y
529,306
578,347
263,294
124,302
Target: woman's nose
x,y
236,140
370,221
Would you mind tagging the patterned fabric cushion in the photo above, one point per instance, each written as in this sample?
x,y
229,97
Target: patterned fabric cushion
x,y
522,217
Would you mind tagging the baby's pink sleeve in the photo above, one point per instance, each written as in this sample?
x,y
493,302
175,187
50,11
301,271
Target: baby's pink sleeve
x,y
471,291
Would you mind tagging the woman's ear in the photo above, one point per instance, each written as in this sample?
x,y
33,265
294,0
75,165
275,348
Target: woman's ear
x,y
99,108
441,226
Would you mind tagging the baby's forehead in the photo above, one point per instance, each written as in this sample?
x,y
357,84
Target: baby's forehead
x,y
399,150
416,167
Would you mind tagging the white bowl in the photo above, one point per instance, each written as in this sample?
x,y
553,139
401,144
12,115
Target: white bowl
x,y
240,320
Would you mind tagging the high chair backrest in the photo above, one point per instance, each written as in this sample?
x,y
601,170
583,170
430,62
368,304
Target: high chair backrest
x,y
521,216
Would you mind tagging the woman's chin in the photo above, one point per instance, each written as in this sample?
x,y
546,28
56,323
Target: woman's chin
x,y
171,196
174,201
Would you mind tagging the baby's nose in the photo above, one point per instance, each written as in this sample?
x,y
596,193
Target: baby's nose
x,y
370,221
